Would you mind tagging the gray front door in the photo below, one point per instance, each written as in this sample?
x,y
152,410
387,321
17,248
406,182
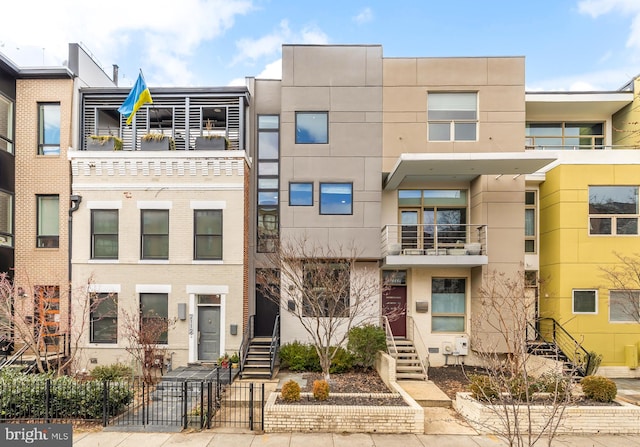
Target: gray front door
x,y
208,332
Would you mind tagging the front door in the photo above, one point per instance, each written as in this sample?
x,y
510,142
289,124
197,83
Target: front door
x,y
208,333
394,307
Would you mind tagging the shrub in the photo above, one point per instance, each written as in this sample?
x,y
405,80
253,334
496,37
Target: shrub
x,y
112,372
320,389
364,342
522,388
593,362
342,361
299,357
598,388
483,388
556,384
290,391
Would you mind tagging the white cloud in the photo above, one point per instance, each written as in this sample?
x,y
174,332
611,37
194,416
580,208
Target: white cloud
x,y
364,16
597,8
272,71
607,80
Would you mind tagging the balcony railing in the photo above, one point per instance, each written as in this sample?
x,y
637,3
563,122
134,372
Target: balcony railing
x,y
587,147
434,240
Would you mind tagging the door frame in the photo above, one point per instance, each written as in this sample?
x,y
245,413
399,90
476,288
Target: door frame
x,y
192,317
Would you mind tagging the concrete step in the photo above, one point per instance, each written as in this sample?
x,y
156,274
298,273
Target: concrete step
x,y
410,376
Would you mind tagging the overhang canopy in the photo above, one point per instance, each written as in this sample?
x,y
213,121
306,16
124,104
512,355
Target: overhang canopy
x,y
556,106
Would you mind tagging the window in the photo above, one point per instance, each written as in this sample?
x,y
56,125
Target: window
x,y
268,182
104,234
624,306
585,302
448,304
107,122
336,198
452,116
154,317
49,129
103,326
530,222
48,221
326,289
6,219
6,124
155,234
312,127
207,234
613,210
300,194
563,135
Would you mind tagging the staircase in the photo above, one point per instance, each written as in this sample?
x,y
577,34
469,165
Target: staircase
x,y
408,364
257,362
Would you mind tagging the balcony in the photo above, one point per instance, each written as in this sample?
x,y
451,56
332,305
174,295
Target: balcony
x,y
442,245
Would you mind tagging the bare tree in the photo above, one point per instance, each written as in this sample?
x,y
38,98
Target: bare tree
x,y
623,280
500,340
327,290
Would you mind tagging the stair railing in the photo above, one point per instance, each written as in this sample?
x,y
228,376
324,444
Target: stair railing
x,y
391,343
418,343
247,335
274,349
15,356
550,331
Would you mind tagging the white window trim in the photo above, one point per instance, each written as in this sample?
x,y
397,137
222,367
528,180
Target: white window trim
x,y
154,205
104,288
573,302
153,288
104,204
208,204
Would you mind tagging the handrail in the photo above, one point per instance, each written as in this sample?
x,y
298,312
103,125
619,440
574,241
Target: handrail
x,y
247,335
275,344
389,334
565,342
422,347
14,357
434,239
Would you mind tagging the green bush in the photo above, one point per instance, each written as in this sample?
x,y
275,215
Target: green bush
x,y
522,388
299,357
342,361
290,391
598,388
112,372
482,388
364,342
556,384
593,361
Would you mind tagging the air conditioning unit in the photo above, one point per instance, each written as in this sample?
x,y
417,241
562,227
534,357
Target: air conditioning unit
x,y
462,345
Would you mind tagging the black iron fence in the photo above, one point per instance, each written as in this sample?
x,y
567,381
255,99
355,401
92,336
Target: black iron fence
x,y
180,404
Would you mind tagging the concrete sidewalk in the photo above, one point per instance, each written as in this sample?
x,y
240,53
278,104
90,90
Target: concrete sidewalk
x,y
226,439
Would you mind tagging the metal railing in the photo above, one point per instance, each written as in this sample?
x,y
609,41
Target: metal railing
x,y
434,240
578,147
247,335
419,344
391,343
274,348
14,357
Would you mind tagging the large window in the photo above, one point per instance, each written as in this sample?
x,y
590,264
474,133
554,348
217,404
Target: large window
x,y
624,306
585,301
530,222
155,234
558,136
268,182
207,234
104,234
613,210
300,194
312,127
6,124
336,198
154,317
452,116
6,219
48,221
104,318
448,304
49,129
326,289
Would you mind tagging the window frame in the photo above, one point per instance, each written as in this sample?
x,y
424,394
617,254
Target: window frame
x,y
112,313
46,240
146,314
531,207
7,134
631,319
321,201
456,315
268,215
43,144
452,121
613,217
95,235
320,113
595,301
209,236
6,233
308,198
144,235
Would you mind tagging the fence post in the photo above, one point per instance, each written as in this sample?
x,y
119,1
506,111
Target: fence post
x,y
184,405
201,405
47,401
105,399
144,419
209,397
230,374
251,406
262,408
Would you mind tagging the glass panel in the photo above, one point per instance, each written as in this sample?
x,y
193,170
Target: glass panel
x,y
445,197
105,221
465,131
529,222
108,122
312,128
155,247
154,303
530,198
451,102
49,129
6,123
624,305
268,145
447,324
600,225
300,194
409,236
529,246
208,222
549,142
268,121
267,183
267,168
584,301
409,197
105,233
155,222
448,303
574,129
209,299
626,225
48,218
336,198
428,221
268,198
6,215
155,234
160,118
208,247
439,132
613,200
543,129
105,246
104,318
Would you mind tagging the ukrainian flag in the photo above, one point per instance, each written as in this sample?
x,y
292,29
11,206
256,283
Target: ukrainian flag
x,y
138,96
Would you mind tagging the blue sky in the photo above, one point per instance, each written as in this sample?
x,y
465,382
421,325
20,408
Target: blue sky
x,y
568,44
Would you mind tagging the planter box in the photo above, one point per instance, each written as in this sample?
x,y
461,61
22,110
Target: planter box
x,y
95,144
155,145
210,144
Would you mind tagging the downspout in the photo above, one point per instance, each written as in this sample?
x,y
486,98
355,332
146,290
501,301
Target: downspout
x,y
75,204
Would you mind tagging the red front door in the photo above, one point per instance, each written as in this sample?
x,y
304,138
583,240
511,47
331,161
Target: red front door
x,y
394,307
